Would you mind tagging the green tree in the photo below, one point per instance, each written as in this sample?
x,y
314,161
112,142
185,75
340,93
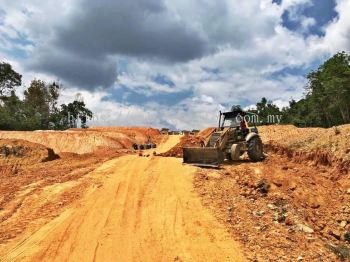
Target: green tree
x,y
9,79
11,113
40,105
36,106
264,109
328,92
335,79
10,105
72,112
38,109
327,100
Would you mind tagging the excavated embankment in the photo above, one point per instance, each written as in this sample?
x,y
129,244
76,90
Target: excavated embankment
x,y
83,141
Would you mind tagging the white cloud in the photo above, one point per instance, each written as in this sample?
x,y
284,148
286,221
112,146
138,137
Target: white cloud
x,y
337,36
245,46
196,112
281,103
307,23
288,4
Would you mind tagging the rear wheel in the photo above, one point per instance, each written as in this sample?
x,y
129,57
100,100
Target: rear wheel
x,y
255,149
235,151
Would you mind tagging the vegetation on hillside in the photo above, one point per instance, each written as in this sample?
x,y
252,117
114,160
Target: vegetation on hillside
x,y
38,109
326,102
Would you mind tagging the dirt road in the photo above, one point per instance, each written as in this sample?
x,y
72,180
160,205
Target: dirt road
x,y
145,209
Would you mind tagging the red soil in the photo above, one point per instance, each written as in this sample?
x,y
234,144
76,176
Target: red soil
x,y
86,140
186,141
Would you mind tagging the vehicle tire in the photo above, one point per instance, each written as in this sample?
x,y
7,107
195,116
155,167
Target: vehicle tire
x,y
235,151
255,149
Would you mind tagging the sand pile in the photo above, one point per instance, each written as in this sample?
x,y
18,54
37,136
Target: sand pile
x,y
190,141
321,146
186,141
76,142
334,140
137,132
138,135
83,141
206,132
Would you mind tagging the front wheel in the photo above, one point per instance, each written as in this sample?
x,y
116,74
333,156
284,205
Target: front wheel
x,y
255,149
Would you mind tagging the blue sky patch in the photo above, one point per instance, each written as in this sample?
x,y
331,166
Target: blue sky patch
x,y
18,46
124,94
295,71
163,80
215,71
277,1
322,11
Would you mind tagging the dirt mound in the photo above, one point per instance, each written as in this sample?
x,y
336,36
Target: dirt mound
x,y
206,132
333,140
23,152
76,142
324,146
141,131
189,141
83,141
340,166
136,134
185,141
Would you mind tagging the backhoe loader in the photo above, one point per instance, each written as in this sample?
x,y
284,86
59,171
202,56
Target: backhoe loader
x,y
229,141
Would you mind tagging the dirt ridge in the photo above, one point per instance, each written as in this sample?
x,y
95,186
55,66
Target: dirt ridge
x,y
316,156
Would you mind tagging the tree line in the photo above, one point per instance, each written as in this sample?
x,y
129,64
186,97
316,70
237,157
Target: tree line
x,y
326,101
39,109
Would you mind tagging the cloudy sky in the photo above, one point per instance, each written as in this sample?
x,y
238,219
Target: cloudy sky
x,y
172,63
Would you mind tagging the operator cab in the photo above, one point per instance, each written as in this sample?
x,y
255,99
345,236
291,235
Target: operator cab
x,y
233,119
230,122
236,119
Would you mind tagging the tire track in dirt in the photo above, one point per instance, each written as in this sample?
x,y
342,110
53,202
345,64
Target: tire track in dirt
x,y
145,210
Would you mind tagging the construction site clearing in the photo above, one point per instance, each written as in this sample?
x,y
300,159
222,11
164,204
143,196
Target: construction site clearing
x,y
88,195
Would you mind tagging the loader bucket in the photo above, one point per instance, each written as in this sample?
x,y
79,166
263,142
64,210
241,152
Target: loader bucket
x,y
203,156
